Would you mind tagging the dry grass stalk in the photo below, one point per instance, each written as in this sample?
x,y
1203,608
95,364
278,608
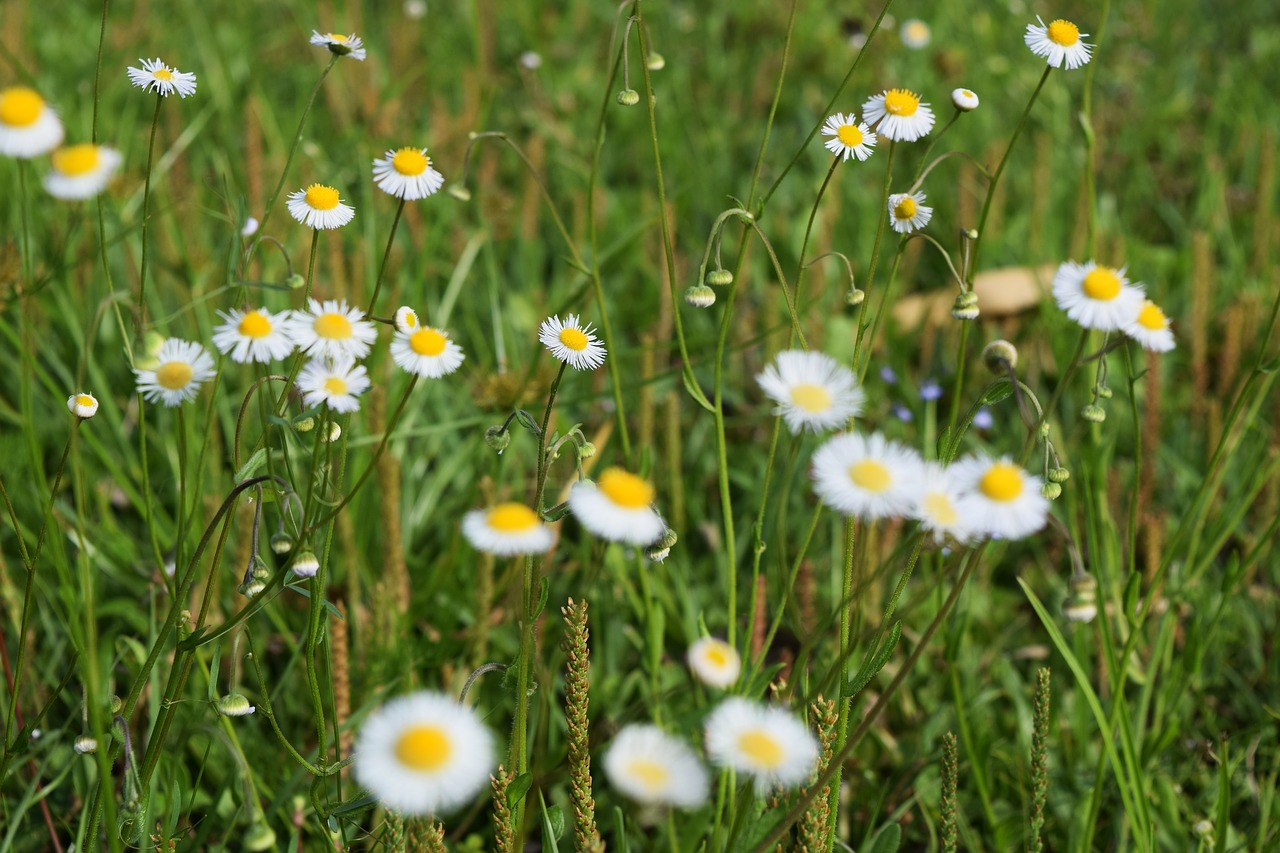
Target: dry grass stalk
x,y
577,684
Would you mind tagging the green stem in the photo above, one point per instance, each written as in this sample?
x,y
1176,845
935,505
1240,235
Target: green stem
x,y
382,267
97,72
311,266
141,318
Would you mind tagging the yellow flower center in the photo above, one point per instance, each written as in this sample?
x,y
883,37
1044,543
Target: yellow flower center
x,y
425,748
900,102
812,398
905,208
650,774
917,30
255,325
84,400
574,339
1101,284
320,197
717,655
1063,33
512,518
174,375
967,93
338,37
411,319
20,106
76,159
761,747
336,386
1151,317
333,326
427,342
940,509
410,161
163,74
849,135
1002,482
625,489
870,475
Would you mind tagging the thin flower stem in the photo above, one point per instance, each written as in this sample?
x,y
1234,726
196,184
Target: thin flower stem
x,y
928,149
1048,410
883,218
782,282
140,319
920,176
265,702
97,72
311,266
382,267
773,109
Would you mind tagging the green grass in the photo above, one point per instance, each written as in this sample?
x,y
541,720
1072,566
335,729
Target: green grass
x,y
1164,709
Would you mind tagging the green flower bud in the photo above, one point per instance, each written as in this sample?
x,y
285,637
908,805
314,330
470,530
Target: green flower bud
x,y
234,705
296,282
1094,413
1000,357
497,437
1052,491
281,543
306,564
628,97
855,296
700,296
459,192
1059,475
719,278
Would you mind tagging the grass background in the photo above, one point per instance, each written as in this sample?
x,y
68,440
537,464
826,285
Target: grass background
x,y
1186,129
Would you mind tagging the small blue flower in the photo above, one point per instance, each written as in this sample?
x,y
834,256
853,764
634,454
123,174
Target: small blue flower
x,y
887,374
902,413
982,418
930,390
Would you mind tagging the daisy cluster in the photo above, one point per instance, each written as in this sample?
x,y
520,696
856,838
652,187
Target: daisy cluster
x,y
1103,298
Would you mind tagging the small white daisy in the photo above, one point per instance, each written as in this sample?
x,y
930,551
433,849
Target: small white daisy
x,y
406,173
423,754
155,76
652,767
1060,43
348,45
898,114
506,530
715,662
1096,297
618,506
571,342
28,126
407,321
813,390
252,335
849,137
965,100
335,383
868,477
330,329
762,741
937,506
426,352
319,207
908,212
915,33
82,405
81,171
1151,328
998,497
180,368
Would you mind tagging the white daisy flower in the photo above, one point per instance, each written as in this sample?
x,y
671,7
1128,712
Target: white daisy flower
x,y
898,114
335,383
813,390
406,173
915,33
506,530
28,126
571,342
652,767
407,321
849,137
252,335
998,497
1096,297
1060,43
423,754
348,45
164,80
1151,328
715,662
81,171
868,477
908,212
426,352
330,329
618,506
965,100
319,207
82,405
937,506
180,368
762,741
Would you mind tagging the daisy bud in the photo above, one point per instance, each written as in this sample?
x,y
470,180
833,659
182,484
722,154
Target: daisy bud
x,y
306,564
459,192
964,100
252,588
1094,413
85,744
305,425
497,437
586,450
1059,475
966,306
855,296
1103,392
335,432
656,62
700,296
296,281
1000,357
260,573
234,705
281,543
116,704
1052,491
83,406
719,278
658,551
1077,610
628,97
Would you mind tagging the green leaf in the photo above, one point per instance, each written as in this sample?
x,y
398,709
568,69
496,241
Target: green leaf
x,y
998,393
544,592
696,393
252,466
873,666
1271,366
518,788
328,605
887,840
526,420
357,805
214,659
552,825
620,831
